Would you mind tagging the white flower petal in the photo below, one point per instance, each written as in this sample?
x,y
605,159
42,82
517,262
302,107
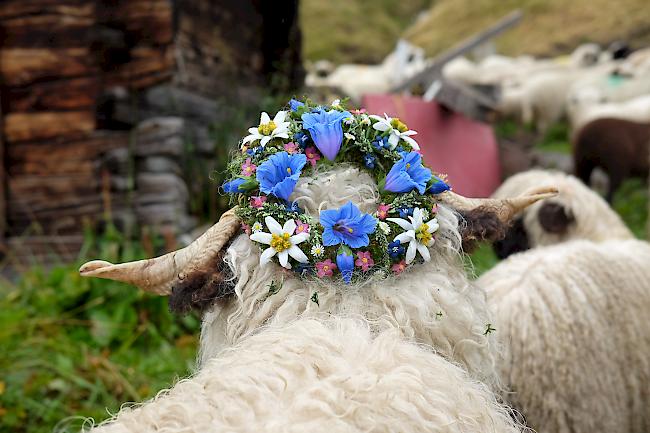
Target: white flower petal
x,y
380,126
284,259
254,131
264,118
289,226
273,225
405,237
411,142
424,252
297,254
300,237
265,140
417,217
281,135
402,223
379,118
266,256
433,225
279,117
410,252
261,237
409,132
393,140
251,138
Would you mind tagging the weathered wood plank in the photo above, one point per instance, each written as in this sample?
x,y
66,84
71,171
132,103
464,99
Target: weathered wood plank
x,y
48,29
21,66
148,66
66,94
42,125
16,8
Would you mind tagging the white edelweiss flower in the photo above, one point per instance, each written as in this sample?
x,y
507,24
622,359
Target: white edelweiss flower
x,y
418,234
257,227
281,241
384,227
269,129
397,130
349,136
317,250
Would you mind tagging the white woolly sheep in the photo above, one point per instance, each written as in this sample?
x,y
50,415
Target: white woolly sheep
x,y
433,304
576,212
582,112
573,319
329,375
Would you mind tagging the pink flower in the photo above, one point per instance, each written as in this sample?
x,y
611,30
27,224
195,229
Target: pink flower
x,y
364,260
361,111
434,208
382,211
248,168
246,228
312,155
291,147
398,268
325,268
302,227
258,201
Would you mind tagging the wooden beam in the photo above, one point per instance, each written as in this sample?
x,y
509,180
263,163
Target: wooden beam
x,y
431,72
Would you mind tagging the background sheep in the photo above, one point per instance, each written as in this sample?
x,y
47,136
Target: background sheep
x,y
330,375
581,113
620,147
573,319
576,212
432,304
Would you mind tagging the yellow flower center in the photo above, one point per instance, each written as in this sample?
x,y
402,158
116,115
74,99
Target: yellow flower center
x,y
350,230
266,128
280,242
398,124
289,170
326,268
408,165
364,260
422,234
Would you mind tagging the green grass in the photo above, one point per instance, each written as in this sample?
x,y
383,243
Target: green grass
x,y
75,347
549,27
360,31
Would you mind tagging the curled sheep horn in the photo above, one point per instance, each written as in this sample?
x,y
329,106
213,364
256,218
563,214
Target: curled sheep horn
x,y
157,275
504,209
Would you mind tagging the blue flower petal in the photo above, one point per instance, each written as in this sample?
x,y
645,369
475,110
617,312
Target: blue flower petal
x,y
326,130
408,174
232,187
347,225
295,104
279,174
438,186
345,263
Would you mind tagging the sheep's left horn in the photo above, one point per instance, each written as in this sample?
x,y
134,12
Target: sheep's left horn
x,y
157,275
504,209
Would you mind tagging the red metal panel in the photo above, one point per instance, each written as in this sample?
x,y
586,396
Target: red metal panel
x,y
451,143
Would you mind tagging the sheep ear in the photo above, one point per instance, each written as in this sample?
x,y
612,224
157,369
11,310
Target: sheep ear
x,y
158,274
554,218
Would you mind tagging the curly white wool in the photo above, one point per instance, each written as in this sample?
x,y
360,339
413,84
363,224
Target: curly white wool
x,y
574,320
594,219
432,303
323,376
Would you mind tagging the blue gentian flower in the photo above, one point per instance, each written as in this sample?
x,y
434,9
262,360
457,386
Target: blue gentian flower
x,y
405,212
279,174
295,104
326,130
292,207
438,186
345,263
304,269
233,187
301,138
408,174
369,160
254,151
395,249
347,225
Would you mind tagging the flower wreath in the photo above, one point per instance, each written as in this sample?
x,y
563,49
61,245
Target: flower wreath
x,y
343,241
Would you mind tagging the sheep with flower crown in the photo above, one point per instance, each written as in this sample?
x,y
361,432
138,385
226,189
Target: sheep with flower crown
x,y
334,296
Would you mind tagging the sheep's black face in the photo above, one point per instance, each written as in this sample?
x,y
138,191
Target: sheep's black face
x,y
515,240
554,218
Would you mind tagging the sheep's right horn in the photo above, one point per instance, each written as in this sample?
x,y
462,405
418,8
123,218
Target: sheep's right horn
x,y
157,275
504,209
